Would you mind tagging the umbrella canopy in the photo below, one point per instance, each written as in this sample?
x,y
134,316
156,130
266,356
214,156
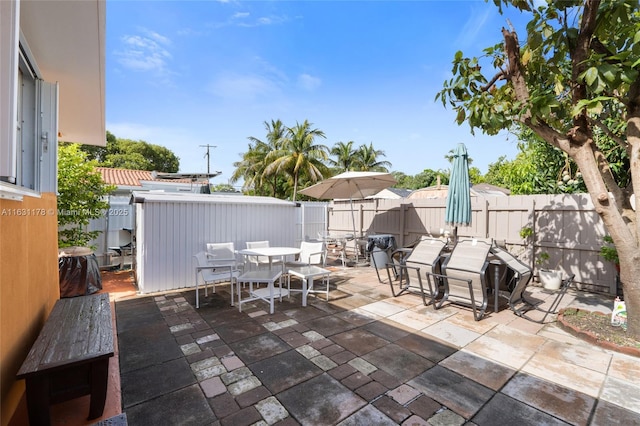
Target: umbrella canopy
x,y
458,208
350,185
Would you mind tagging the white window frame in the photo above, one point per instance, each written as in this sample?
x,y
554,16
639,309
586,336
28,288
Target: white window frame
x,y
28,116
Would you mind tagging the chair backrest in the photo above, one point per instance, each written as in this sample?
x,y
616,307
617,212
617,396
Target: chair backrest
x,y
468,261
427,251
312,252
469,255
210,275
522,273
257,244
257,260
221,252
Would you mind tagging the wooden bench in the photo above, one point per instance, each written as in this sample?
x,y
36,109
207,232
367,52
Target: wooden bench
x,y
70,357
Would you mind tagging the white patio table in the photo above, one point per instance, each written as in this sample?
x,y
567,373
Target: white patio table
x,y
271,252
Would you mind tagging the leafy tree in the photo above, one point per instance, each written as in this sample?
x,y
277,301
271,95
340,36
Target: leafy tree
x,y
366,159
576,75
134,155
475,176
299,156
254,162
81,196
345,156
538,168
223,187
424,179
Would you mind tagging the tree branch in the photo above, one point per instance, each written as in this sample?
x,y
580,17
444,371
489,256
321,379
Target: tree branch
x,y
579,56
617,139
514,73
501,75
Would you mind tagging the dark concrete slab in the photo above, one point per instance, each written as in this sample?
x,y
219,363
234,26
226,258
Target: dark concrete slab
x,y
369,415
465,397
148,383
386,331
567,404
135,352
359,341
607,413
320,401
502,410
329,325
257,348
238,330
430,349
484,371
307,313
355,318
187,406
285,370
398,362
135,313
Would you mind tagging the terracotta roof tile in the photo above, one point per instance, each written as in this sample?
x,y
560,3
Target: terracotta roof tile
x,y
128,177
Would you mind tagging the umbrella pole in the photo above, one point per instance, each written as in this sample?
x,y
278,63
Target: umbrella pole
x,y
353,221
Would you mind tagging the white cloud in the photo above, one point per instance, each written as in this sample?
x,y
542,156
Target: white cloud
x,y
242,87
474,25
308,82
245,19
145,52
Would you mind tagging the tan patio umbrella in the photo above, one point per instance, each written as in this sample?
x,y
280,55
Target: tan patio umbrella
x,y
350,185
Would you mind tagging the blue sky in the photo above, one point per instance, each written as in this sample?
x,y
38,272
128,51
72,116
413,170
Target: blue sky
x,y
190,73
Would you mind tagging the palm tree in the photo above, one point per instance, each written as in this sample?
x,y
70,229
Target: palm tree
x,y
254,161
345,156
367,159
299,156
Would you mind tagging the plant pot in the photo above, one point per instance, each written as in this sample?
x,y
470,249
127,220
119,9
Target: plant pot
x,y
550,278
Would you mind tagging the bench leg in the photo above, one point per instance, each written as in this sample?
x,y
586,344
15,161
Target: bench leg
x,y
38,400
99,378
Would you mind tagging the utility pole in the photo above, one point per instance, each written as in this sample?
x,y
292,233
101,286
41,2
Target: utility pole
x,y
207,154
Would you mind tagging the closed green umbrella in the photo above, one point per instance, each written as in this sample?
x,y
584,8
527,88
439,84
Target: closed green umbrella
x,y
458,208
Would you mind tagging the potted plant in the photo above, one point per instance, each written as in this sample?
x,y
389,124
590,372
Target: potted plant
x,y
551,279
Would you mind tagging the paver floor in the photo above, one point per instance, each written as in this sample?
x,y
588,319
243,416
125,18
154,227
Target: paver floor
x,y
363,358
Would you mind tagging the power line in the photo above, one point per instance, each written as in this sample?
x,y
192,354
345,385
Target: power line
x,y
207,154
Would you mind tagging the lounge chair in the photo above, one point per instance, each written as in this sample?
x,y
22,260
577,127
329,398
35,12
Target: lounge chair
x,y
464,276
411,268
520,305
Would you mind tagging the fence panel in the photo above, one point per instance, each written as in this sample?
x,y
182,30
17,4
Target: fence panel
x,y
566,226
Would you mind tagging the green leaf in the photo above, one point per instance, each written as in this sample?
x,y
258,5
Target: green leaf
x,y
608,71
590,75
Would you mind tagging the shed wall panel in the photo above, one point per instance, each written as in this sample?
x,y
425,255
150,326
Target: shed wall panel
x,y
169,234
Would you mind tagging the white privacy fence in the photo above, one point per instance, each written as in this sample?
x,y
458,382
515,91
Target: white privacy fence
x,y
171,228
565,226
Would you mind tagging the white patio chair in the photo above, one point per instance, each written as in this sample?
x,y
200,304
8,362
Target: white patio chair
x,y
311,253
260,261
212,273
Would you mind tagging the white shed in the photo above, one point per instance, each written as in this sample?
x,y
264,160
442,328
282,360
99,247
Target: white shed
x,y
172,227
